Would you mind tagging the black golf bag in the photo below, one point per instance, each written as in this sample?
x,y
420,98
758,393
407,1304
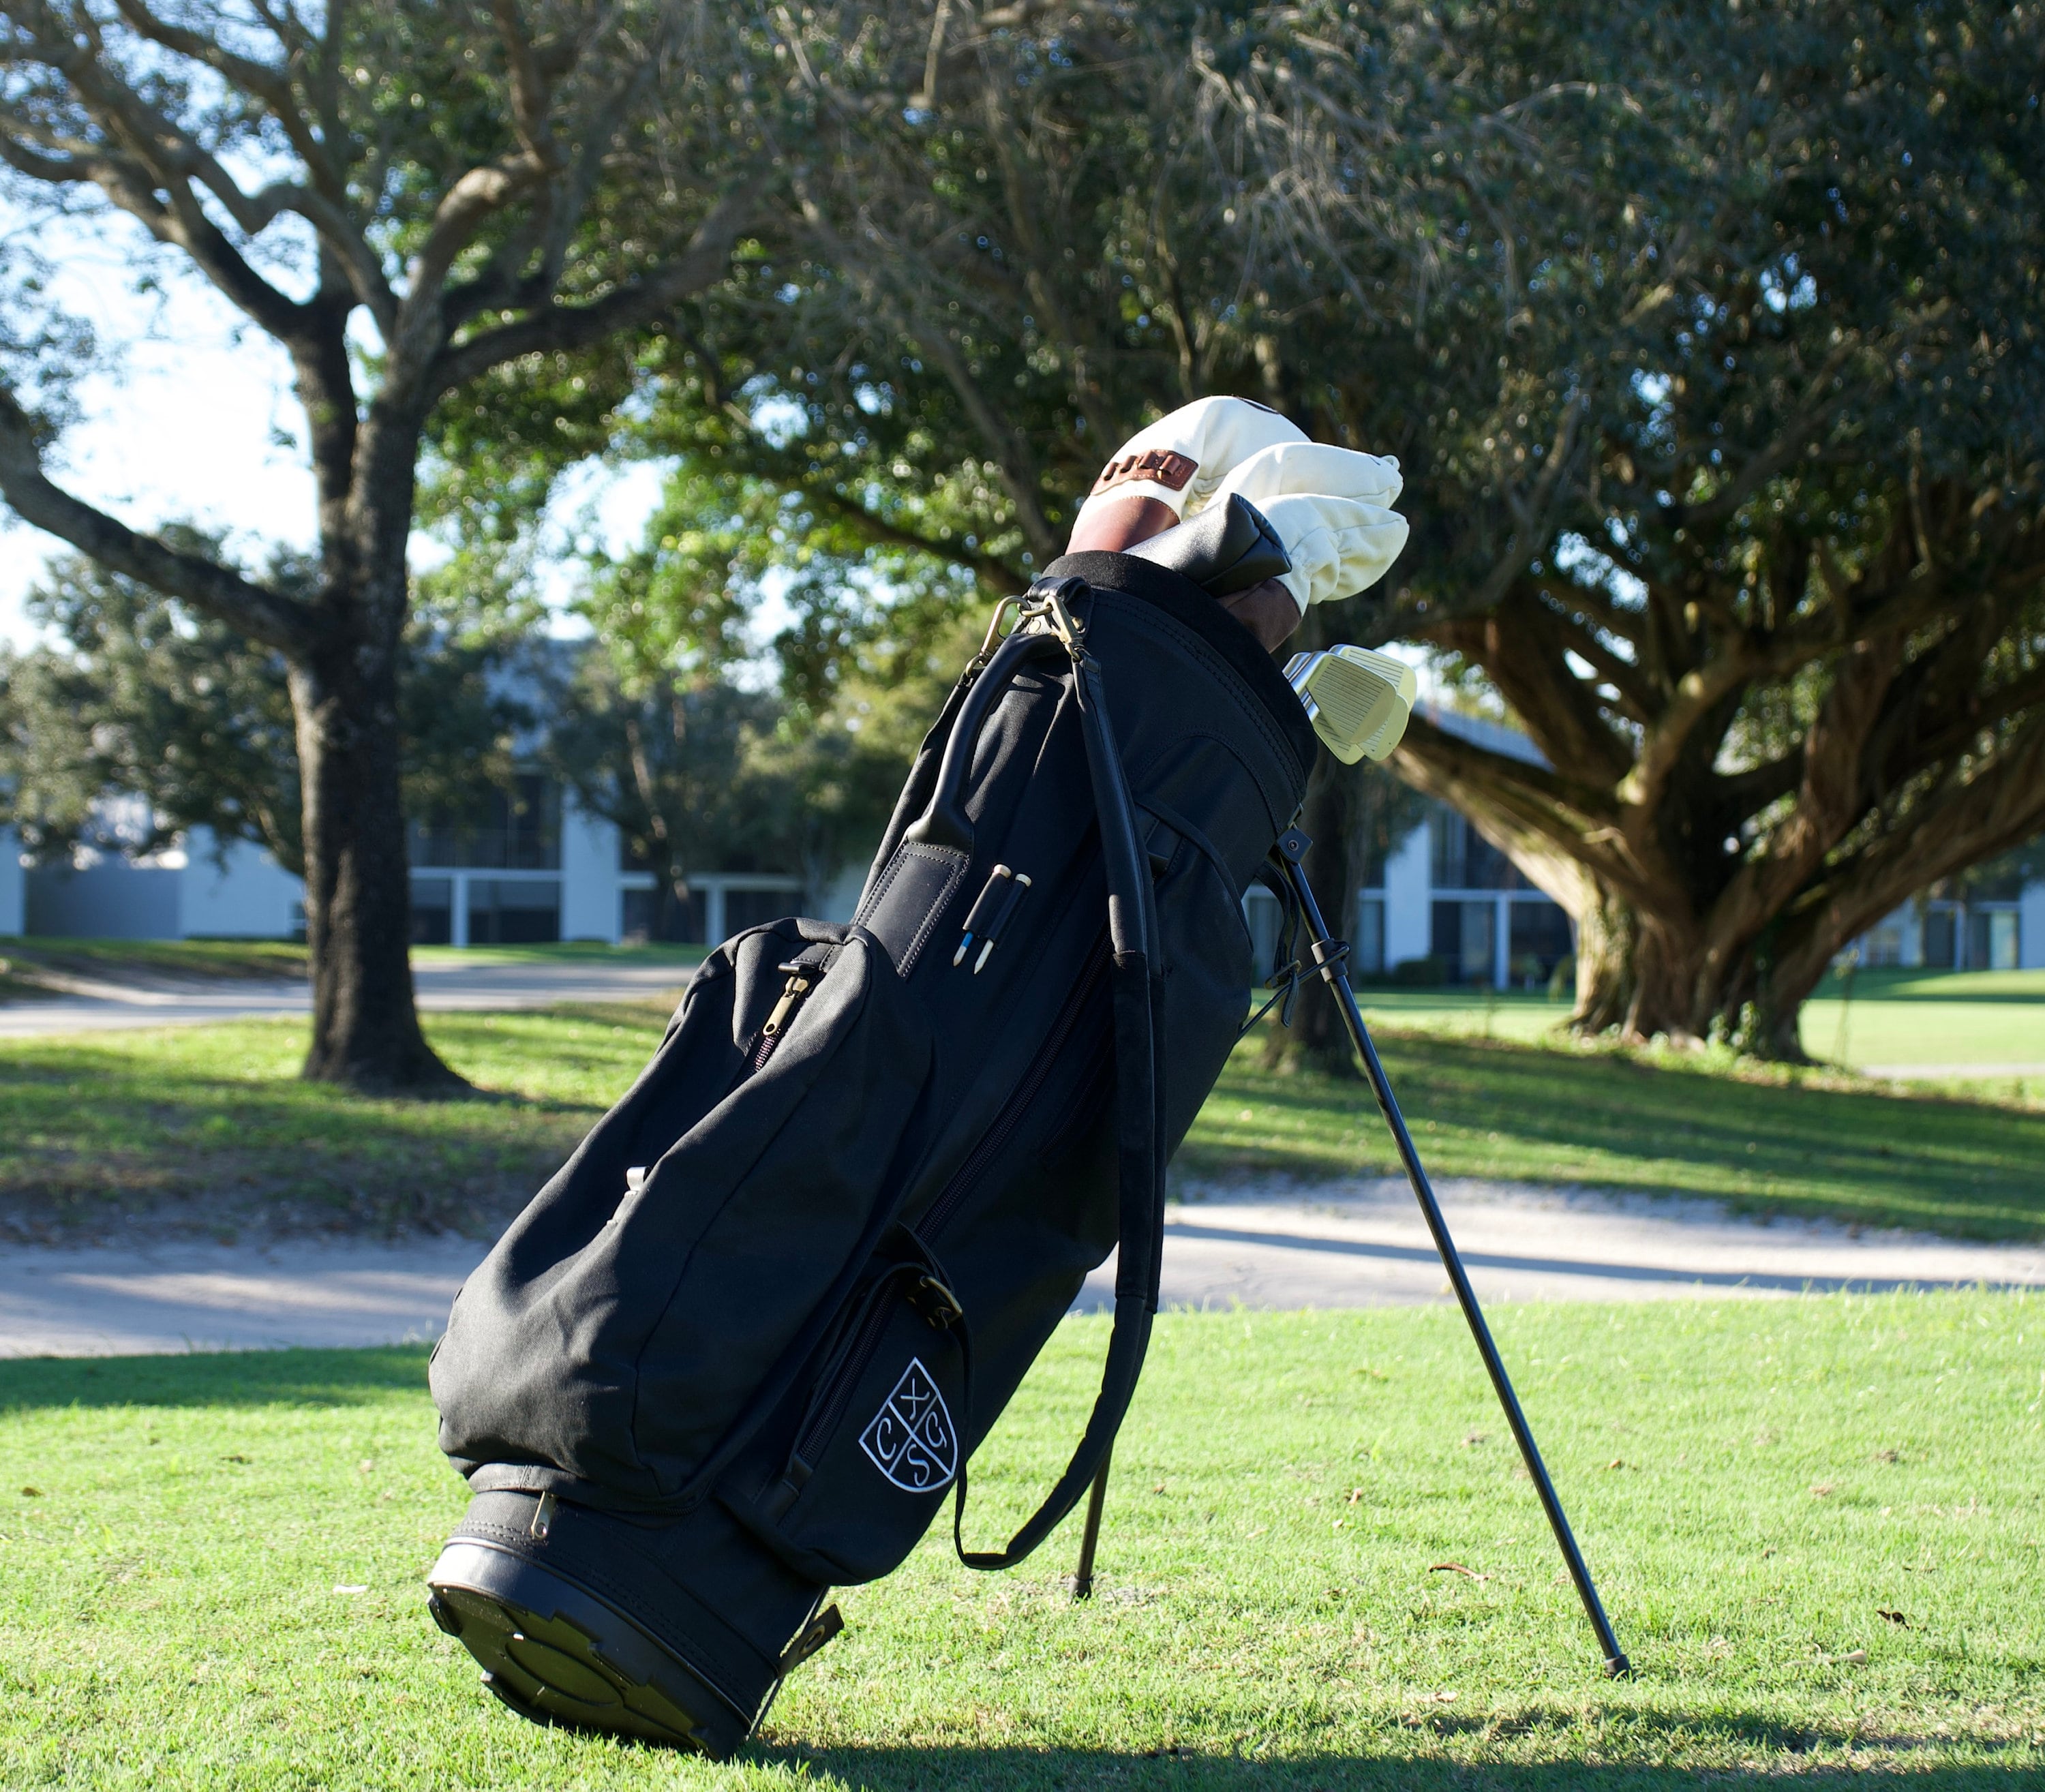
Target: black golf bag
x,y
739,1349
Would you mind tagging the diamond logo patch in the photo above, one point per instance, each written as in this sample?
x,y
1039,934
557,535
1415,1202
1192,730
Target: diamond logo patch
x,y
910,1439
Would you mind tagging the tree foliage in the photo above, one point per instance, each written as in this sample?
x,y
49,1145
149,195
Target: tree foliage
x,y
144,698
422,206
711,748
1707,337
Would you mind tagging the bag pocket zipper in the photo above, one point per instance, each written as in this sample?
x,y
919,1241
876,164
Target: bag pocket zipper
x,y
931,1296
804,972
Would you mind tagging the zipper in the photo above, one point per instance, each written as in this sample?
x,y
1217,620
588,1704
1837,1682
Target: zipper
x,y
930,1297
802,978
799,985
865,1341
995,1139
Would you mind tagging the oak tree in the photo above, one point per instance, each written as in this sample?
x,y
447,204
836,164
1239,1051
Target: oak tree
x,y
422,205
1707,336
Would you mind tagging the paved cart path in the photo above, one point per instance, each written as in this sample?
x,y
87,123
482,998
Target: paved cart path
x,y
92,1007
1277,1246
1364,1243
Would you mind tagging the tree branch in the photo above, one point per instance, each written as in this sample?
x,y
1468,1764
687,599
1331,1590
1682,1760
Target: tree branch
x,y
262,615
983,566
1017,465
1763,465
2000,808
172,159
565,327
551,226
1531,513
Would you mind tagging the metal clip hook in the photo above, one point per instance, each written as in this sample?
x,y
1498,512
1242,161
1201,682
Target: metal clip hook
x,y
995,634
1046,603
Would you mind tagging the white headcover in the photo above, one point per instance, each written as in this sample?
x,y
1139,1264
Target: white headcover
x,y
1180,459
1331,507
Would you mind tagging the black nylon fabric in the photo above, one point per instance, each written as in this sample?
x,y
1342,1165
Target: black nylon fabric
x,y
793,1277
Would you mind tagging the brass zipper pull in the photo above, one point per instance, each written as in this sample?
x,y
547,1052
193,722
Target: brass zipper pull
x,y
798,987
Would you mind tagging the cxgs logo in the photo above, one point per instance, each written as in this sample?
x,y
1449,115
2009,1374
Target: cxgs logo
x,y
910,1439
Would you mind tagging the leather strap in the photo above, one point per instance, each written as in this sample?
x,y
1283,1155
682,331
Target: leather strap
x,y
944,823
1138,991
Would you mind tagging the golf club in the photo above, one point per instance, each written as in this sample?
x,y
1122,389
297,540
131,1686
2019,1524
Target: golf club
x,y
1358,701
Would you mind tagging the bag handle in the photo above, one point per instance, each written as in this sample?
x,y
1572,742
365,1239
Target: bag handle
x,y
944,823
1137,988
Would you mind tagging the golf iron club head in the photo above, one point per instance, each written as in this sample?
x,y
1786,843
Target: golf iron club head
x,y
1357,700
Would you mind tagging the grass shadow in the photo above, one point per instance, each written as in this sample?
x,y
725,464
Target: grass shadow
x,y
1794,1751
1608,1121
214,1378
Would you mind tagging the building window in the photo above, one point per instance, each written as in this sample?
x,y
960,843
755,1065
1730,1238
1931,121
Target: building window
x,y
1992,939
1883,945
1941,938
753,908
1461,858
642,919
1540,941
1369,954
514,912
1463,939
1262,915
514,829
433,910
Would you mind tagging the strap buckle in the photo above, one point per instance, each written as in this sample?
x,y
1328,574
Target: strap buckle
x,y
1046,603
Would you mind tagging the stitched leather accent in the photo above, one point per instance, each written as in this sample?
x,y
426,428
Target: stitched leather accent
x,y
929,877
1169,468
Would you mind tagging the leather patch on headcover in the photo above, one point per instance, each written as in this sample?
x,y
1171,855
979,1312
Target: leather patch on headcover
x,y
1169,468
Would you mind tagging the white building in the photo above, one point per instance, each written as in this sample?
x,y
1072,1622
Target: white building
x,y
533,868
1998,933
1446,905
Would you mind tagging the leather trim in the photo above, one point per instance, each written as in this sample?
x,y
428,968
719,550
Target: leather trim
x,y
1186,603
1169,468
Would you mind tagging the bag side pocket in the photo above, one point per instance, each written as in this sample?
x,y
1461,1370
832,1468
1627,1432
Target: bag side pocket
x,y
848,1490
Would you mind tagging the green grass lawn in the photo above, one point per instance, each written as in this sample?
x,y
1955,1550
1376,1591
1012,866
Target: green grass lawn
x,y
223,960
1672,1122
210,1126
1817,1524
212,1122
1931,1018
1947,1021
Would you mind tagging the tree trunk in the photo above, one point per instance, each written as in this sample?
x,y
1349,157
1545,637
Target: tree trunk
x,y
358,894
1317,1040
1640,977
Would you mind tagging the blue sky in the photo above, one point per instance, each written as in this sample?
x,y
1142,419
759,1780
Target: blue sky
x,y
194,419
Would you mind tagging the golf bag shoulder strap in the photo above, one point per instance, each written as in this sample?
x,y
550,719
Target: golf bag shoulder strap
x,y
1139,1121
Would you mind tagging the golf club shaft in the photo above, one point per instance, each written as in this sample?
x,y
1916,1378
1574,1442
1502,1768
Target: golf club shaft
x,y
1337,979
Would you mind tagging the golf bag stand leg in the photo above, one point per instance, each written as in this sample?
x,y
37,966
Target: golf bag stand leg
x,y
1329,955
1090,1537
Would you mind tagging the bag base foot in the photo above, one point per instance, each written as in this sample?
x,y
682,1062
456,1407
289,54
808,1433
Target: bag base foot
x,y
556,1653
